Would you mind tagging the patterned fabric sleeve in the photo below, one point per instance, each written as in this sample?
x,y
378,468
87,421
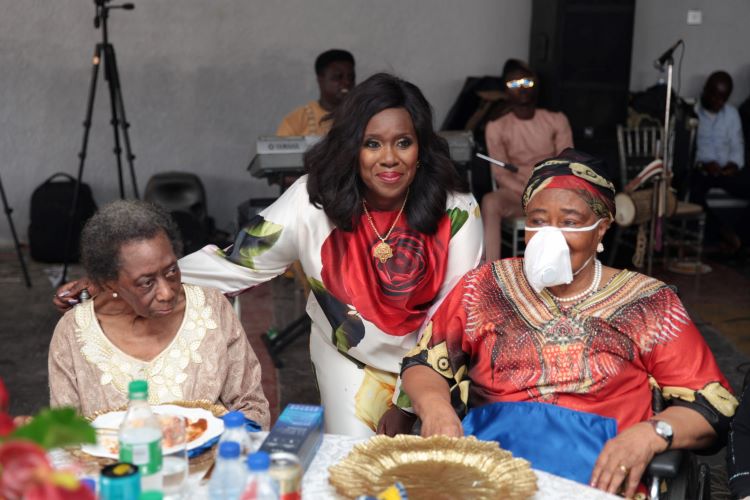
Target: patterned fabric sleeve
x,y
242,389
444,348
262,250
678,359
63,390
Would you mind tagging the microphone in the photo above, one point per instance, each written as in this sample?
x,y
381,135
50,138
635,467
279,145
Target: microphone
x,y
659,63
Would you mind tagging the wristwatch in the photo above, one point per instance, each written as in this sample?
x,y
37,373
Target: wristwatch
x,y
663,430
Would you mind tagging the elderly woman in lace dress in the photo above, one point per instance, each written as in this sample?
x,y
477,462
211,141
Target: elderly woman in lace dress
x,y
185,340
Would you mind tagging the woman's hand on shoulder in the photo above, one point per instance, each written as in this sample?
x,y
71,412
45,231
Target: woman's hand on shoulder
x,y
439,418
66,296
624,459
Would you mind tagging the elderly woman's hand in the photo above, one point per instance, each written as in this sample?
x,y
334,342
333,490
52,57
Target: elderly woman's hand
x,y
66,295
396,421
439,418
624,459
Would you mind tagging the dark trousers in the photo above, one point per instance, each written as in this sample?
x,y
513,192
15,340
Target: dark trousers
x,y
737,185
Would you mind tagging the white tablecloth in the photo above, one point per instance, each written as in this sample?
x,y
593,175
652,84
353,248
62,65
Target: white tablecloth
x,y
334,448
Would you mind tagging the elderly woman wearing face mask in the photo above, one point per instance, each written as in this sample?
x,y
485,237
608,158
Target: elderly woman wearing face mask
x,y
562,353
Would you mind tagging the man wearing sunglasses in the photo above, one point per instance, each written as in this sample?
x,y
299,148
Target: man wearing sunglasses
x,y
522,137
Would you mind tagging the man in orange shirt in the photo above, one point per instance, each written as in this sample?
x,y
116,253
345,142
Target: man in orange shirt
x,y
335,70
522,137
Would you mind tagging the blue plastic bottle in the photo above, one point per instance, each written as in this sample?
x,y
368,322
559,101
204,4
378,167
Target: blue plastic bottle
x,y
228,479
260,485
234,430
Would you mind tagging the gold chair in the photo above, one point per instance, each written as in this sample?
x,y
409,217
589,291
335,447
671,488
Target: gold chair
x,y
684,229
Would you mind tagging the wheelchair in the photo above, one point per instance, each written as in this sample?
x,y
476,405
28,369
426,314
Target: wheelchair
x,y
676,474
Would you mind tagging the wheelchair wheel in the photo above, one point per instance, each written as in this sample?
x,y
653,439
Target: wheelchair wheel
x,y
689,483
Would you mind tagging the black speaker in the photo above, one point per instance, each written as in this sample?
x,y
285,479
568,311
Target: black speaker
x,y
581,50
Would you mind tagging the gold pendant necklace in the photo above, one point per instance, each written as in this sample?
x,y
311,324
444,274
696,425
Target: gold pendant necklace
x,y
383,250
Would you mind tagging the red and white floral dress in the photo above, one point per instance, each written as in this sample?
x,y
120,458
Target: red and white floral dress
x,y
365,313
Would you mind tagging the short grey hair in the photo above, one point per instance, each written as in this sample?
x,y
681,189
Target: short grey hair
x,y
119,223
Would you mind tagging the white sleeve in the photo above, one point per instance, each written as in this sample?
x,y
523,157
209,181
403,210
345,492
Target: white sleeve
x,y
262,250
466,245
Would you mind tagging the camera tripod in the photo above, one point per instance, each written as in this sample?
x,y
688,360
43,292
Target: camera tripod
x,y
104,52
8,212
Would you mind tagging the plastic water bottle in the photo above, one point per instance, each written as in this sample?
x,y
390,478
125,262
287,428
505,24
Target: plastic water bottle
x,y
140,437
234,430
228,479
260,485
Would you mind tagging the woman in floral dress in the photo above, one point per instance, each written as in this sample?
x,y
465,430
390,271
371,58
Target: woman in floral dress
x,y
383,228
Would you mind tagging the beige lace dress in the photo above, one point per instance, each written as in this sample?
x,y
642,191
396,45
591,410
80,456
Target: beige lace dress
x,y
210,359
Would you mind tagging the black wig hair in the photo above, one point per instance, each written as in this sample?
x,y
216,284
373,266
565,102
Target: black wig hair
x,y
333,164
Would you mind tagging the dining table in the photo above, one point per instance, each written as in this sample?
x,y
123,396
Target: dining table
x,y
334,448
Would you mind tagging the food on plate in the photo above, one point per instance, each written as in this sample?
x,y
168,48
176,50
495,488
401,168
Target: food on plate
x,y
171,427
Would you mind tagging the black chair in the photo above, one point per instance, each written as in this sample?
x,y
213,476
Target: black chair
x,y
182,195
676,472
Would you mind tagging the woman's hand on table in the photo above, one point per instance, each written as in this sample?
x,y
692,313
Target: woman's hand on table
x,y
439,418
66,296
624,459
395,421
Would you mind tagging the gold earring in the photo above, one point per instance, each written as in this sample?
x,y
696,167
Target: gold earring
x,y
419,163
599,247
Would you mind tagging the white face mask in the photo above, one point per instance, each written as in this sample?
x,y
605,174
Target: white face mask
x,y
546,260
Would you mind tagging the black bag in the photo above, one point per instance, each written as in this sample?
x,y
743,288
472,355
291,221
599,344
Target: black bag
x,y
50,216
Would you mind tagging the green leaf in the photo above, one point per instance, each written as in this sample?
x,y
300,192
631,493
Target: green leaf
x,y
257,240
265,229
342,339
316,286
54,428
458,218
403,400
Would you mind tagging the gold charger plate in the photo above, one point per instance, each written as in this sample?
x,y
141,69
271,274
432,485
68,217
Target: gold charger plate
x,y
433,468
91,463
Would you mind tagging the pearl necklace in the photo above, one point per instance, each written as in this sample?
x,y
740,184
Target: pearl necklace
x,y
594,285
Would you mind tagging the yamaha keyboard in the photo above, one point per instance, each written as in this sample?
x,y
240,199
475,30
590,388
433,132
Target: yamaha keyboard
x,y
284,155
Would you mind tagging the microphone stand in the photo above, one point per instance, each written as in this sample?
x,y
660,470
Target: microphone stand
x,y
661,181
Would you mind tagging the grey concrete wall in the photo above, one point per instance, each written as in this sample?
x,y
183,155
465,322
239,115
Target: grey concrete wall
x,y
203,78
720,43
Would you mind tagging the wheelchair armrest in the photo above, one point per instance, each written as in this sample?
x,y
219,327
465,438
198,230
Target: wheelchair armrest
x,y
666,465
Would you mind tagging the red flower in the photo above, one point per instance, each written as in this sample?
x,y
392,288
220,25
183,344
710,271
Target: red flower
x,y
27,474
22,463
3,397
6,424
394,295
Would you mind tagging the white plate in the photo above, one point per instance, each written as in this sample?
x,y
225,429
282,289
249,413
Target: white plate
x,y
113,419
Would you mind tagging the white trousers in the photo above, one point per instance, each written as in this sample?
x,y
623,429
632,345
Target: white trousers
x,y
342,392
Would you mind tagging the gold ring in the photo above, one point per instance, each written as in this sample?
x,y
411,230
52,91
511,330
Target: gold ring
x,y
623,469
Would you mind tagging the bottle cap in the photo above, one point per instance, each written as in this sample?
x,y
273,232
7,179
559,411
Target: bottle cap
x,y
229,449
89,483
138,389
258,461
151,495
234,419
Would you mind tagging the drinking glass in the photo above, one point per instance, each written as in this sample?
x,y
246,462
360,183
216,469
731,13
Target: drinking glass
x,y
174,456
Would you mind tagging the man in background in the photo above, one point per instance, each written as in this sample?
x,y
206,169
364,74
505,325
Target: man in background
x,y
720,152
522,137
335,72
